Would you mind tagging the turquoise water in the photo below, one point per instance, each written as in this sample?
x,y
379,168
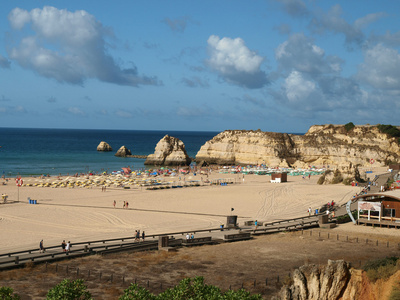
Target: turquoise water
x,y
27,151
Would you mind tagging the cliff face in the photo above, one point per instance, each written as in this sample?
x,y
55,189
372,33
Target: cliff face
x,y
321,145
335,281
170,151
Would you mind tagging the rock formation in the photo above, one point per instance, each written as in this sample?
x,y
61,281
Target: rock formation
x,y
169,151
103,146
123,152
321,145
336,281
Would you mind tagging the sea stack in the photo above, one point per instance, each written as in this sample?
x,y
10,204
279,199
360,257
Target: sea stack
x,y
103,146
123,152
169,151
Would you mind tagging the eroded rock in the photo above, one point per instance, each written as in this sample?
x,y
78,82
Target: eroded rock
x,y
169,151
103,146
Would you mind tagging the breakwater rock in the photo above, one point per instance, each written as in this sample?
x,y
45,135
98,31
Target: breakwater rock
x,y
103,146
169,151
321,145
123,152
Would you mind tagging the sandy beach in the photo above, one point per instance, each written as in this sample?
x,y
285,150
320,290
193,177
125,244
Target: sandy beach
x,y
87,213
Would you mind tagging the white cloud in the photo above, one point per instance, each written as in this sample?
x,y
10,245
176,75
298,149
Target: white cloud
x,y
381,68
235,62
69,47
297,88
299,53
76,111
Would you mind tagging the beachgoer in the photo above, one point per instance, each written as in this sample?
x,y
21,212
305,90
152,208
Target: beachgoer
x,y
309,176
192,236
115,202
143,236
68,247
309,211
63,245
256,224
41,249
138,235
126,205
188,236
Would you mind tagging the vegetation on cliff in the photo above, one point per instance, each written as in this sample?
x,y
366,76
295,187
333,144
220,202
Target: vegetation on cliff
x,y
390,130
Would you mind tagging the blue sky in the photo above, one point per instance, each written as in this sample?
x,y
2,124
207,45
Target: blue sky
x,y
274,65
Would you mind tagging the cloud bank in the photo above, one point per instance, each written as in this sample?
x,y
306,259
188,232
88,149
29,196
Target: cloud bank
x,y
67,46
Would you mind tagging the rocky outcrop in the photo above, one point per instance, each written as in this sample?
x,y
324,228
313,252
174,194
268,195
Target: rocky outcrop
x,y
103,146
169,151
318,282
322,145
335,281
123,152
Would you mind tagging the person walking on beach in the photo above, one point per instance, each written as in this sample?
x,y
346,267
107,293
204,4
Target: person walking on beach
x,y
309,211
41,249
126,205
114,203
63,245
143,236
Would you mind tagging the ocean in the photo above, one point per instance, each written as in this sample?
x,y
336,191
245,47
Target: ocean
x,y
29,151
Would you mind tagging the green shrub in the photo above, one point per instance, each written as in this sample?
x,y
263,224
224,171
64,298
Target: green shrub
x,y
7,293
349,126
395,293
69,290
381,268
135,292
347,181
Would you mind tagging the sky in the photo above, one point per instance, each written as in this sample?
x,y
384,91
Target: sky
x,y
274,65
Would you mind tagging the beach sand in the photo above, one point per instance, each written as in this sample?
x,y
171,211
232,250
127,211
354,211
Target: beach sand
x,y
82,214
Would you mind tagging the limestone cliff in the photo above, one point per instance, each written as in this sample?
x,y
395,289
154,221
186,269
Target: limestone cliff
x,y
169,151
335,281
321,145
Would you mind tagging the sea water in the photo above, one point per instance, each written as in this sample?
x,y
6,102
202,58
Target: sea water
x,y
28,151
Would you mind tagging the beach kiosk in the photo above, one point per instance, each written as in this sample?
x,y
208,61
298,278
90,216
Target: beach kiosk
x,y
381,209
278,177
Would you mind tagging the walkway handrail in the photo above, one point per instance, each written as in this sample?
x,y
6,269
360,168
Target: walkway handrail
x,y
29,251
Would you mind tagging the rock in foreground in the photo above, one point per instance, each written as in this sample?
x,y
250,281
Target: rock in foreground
x,y
169,151
103,146
123,152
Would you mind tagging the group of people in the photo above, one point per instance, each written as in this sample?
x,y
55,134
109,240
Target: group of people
x,y
190,236
66,246
126,204
137,236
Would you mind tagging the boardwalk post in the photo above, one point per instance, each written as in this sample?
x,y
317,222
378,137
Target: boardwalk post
x,y
277,279
67,269
56,268
377,242
266,282
100,275
17,260
77,272
111,278
255,283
